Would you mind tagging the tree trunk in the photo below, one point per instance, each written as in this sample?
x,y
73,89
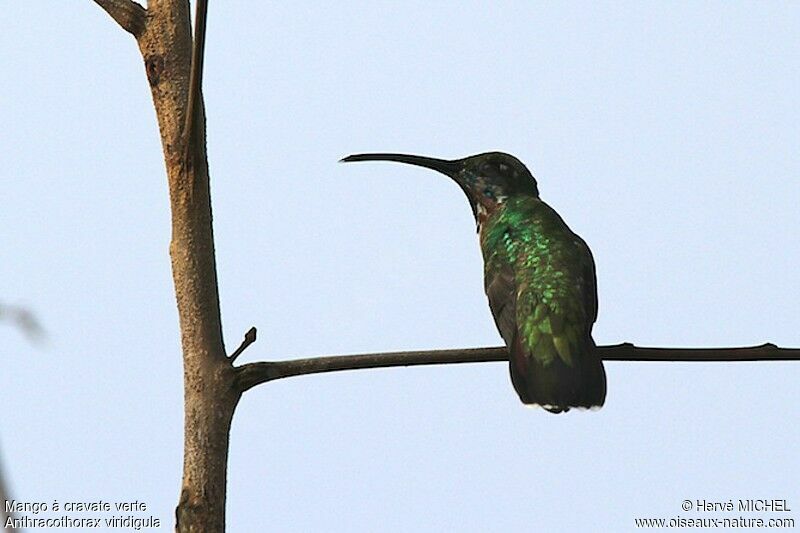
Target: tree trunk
x,y
163,33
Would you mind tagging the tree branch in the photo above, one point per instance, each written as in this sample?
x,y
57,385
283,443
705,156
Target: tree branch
x,y
763,352
252,374
195,78
249,338
127,13
210,395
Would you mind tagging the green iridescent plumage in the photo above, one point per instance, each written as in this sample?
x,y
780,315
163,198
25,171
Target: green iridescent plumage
x,y
539,278
540,282
547,259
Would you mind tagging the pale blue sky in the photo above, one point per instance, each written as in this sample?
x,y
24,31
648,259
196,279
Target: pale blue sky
x,y
666,134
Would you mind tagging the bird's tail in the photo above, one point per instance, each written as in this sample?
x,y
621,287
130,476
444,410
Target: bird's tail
x,y
558,383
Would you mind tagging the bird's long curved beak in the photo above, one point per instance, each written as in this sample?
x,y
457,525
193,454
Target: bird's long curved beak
x,y
445,166
450,168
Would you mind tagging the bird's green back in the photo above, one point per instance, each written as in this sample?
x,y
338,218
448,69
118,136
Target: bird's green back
x,y
540,280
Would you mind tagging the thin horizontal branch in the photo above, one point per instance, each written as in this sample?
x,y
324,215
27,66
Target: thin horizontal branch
x,y
252,374
764,352
127,13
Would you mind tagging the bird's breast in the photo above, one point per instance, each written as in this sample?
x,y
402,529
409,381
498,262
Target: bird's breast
x,y
486,210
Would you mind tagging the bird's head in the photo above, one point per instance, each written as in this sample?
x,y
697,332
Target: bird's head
x,y
487,179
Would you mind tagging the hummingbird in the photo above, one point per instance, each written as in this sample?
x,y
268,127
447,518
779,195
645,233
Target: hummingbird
x,y
539,277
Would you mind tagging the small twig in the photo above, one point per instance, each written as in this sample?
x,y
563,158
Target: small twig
x,y
195,78
249,338
127,13
253,374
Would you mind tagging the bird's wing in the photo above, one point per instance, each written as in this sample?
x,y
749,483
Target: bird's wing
x,y
501,289
588,280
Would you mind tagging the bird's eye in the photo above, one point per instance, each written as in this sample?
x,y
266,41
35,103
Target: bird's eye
x,y
489,192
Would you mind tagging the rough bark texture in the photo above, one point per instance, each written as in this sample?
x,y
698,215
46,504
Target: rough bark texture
x,y
164,38
210,399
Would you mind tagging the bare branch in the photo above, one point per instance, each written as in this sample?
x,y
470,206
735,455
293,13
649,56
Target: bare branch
x,y
253,374
195,77
210,395
249,338
764,352
127,13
